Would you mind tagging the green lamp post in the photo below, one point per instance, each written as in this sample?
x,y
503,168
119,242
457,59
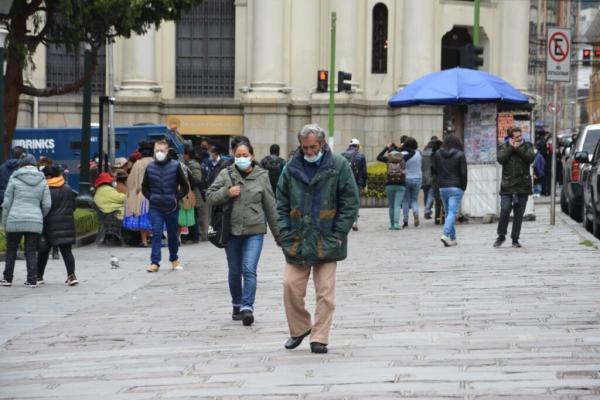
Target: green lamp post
x,y
5,6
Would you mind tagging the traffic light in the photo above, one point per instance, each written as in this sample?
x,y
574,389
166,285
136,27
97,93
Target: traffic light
x,y
471,56
322,77
342,85
587,57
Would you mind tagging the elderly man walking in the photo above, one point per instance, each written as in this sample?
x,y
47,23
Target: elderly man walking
x,y
317,203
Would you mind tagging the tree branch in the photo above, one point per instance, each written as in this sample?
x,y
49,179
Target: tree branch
x,y
47,92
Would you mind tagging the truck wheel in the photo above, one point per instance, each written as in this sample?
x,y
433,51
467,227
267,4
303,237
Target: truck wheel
x,y
575,211
585,221
563,201
596,223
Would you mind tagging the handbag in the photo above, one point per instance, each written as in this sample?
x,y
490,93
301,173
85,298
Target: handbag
x,y
219,229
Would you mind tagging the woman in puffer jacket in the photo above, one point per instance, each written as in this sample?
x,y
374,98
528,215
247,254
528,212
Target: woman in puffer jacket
x,y
26,202
59,226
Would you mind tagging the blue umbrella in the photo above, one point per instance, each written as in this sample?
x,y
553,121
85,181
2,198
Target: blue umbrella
x,y
457,86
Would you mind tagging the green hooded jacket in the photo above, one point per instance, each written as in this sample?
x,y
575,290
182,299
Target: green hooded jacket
x,y
315,215
516,170
253,208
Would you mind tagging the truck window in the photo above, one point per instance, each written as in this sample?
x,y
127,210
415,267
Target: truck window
x,y
591,139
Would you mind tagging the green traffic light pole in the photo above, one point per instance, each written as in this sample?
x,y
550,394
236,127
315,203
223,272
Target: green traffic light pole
x,y
476,24
3,33
331,121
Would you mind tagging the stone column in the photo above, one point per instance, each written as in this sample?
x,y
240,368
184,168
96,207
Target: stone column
x,y
349,52
514,42
139,66
305,44
418,42
268,49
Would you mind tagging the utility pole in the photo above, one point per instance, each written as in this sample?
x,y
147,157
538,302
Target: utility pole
x,y
476,24
85,199
331,121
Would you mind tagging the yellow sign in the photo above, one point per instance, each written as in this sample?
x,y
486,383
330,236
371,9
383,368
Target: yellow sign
x,y
208,125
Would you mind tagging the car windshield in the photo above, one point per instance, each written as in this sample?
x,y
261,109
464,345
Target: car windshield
x,y
591,139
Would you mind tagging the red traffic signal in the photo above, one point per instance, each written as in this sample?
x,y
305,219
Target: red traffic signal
x,y
322,78
597,54
587,57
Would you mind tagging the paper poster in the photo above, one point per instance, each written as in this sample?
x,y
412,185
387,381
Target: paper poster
x,y
480,134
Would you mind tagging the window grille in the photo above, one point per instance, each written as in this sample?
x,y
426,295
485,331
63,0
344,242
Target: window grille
x,y
64,68
380,39
205,63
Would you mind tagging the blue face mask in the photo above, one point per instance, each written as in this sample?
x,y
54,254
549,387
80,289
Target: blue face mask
x,y
315,158
243,163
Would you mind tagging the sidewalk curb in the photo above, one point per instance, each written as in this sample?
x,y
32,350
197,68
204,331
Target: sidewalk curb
x,y
578,228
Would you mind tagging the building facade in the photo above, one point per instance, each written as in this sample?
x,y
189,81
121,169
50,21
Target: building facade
x,y
250,67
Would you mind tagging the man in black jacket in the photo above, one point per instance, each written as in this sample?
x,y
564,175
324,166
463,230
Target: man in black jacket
x,y
516,157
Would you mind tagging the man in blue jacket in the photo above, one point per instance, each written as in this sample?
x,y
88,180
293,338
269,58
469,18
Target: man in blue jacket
x,y
164,185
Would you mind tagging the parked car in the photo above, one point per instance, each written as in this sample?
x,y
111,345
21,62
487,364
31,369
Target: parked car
x,y
571,193
590,182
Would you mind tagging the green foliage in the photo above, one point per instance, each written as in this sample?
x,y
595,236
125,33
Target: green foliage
x,y
377,177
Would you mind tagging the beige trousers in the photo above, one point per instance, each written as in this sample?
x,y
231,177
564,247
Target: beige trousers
x,y
295,281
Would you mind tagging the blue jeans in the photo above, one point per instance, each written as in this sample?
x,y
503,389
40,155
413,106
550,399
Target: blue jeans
x,y
159,219
411,197
427,199
395,195
243,253
451,197
537,188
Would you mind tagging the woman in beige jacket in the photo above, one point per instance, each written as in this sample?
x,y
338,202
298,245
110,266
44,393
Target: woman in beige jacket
x,y
136,205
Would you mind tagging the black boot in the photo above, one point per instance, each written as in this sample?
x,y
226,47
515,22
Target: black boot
x,y
236,315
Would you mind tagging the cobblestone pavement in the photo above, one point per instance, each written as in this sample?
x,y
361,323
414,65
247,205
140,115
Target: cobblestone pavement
x,y
413,320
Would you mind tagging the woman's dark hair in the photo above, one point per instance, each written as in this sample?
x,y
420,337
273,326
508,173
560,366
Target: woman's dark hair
x,y
52,171
411,143
452,142
242,143
274,149
236,140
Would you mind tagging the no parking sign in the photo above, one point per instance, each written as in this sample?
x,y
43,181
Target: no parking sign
x,y
558,55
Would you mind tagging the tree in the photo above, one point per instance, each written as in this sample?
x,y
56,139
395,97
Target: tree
x,y
71,23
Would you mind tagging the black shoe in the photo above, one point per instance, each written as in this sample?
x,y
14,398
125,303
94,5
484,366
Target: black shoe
x,y
30,284
427,216
247,317
499,241
516,244
236,315
317,347
295,341
405,225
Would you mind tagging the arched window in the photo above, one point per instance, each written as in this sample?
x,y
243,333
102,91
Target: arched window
x,y
64,68
380,39
205,64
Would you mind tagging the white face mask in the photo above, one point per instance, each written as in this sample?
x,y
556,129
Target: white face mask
x,y
160,156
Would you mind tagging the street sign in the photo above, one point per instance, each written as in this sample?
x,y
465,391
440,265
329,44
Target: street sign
x,y
558,55
553,108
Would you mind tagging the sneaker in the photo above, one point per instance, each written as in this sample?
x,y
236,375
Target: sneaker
x,y
355,226
499,241
30,285
4,282
236,315
153,268
40,281
247,317
516,244
447,241
176,265
71,280
416,218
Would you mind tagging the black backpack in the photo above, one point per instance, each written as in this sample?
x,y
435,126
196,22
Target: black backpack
x,y
273,165
352,158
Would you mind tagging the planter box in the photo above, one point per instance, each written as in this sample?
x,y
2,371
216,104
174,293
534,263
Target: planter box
x,y
373,202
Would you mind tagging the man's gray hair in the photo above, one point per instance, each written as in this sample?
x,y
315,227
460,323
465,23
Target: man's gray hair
x,y
311,129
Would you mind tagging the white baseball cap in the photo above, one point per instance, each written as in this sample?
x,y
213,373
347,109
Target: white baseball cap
x,y
354,142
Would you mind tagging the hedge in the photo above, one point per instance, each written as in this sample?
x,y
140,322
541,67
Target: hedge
x,y
376,179
85,222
